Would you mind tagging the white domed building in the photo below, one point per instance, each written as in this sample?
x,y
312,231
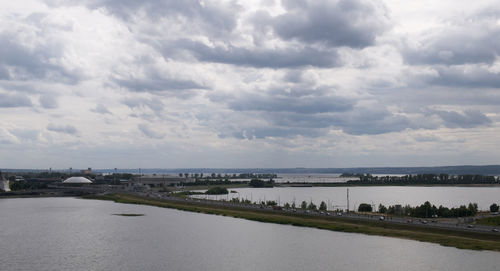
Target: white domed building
x,y
77,181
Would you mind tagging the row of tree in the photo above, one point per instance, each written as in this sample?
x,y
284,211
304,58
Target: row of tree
x,y
424,210
229,176
423,179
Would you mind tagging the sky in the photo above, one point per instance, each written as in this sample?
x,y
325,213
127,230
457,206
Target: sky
x,y
172,84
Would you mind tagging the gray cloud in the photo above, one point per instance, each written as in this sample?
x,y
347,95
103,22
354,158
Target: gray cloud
x,y
64,129
358,121
48,101
279,132
466,77
210,16
101,109
25,134
352,23
258,57
14,100
294,76
426,138
467,119
18,62
302,105
475,39
154,105
149,132
154,83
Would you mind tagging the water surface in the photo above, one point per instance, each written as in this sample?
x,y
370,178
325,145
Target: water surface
x,y
75,234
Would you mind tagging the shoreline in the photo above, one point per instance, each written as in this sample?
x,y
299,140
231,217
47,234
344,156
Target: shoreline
x,y
447,237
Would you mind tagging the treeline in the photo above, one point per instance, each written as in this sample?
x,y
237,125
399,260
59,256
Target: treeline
x,y
261,183
229,176
423,179
213,182
428,210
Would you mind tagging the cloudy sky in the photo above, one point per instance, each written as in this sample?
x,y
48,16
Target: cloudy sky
x,y
187,83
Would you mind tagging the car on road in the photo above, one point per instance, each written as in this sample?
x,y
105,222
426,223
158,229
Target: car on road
x,y
382,218
470,226
494,230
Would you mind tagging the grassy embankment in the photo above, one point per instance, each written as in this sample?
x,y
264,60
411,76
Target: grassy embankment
x,y
490,221
452,238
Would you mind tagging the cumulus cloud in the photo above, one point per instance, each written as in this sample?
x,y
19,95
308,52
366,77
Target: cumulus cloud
x,y
64,129
25,134
20,61
216,17
153,83
251,77
467,119
154,105
48,101
473,39
101,109
286,57
14,100
150,132
334,23
464,77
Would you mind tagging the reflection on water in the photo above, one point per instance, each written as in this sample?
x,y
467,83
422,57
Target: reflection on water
x,y
74,234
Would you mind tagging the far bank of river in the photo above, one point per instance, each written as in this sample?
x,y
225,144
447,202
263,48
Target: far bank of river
x,y
336,197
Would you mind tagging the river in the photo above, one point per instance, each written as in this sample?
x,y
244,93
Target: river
x,y
75,234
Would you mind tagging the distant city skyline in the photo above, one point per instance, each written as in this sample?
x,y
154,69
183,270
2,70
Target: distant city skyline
x,y
249,84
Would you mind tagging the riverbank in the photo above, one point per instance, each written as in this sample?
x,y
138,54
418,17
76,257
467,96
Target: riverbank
x,y
446,237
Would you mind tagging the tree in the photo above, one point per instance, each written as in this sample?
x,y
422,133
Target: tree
x,y
311,206
217,191
303,205
256,183
382,209
472,208
293,205
271,203
494,208
322,206
364,207
287,205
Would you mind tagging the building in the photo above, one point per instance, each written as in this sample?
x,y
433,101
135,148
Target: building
x,y
87,171
155,181
77,181
4,183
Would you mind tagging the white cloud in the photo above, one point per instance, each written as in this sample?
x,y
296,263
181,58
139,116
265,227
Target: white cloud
x,y
246,83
